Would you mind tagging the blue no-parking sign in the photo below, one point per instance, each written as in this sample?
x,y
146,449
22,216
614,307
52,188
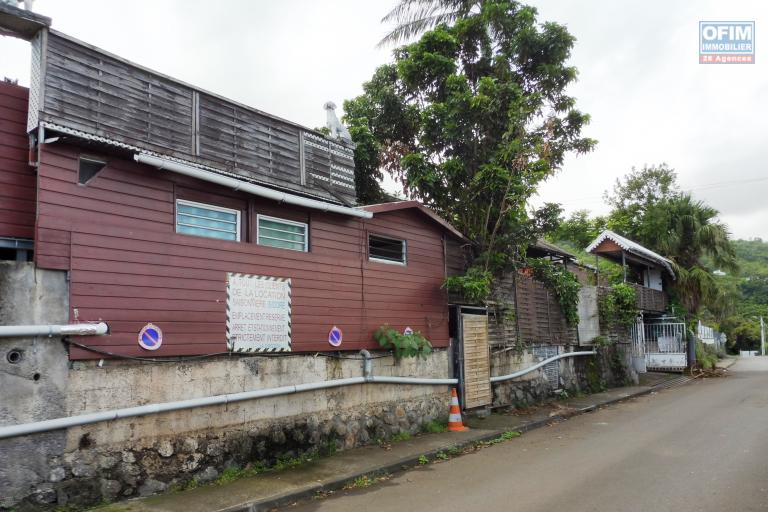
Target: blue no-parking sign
x,y
150,337
335,336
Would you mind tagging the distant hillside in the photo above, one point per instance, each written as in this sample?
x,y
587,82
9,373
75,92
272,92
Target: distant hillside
x,y
753,278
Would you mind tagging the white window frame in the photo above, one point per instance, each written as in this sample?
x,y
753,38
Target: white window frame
x,y
283,221
207,207
390,262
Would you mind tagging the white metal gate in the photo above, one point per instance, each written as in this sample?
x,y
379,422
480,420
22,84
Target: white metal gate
x,y
664,344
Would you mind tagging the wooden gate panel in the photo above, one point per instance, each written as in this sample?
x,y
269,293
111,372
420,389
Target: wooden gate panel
x,y
477,363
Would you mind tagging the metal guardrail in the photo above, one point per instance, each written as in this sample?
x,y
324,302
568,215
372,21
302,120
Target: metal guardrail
x,y
502,378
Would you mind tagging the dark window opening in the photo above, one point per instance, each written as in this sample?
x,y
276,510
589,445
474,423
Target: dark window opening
x,y
89,168
7,254
389,250
16,249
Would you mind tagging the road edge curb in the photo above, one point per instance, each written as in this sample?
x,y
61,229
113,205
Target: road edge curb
x,y
406,463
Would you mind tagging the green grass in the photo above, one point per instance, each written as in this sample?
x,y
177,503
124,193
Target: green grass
x,y
234,473
506,436
362,481
454,451
402,436
435,427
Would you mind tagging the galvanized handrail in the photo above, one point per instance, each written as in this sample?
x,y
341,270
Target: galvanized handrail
x,y
502,378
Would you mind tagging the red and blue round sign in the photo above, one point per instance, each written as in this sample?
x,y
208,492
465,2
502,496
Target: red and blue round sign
x,y
335,336
150,337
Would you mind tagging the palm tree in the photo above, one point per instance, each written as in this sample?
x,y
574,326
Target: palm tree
x,y
416,16
693,237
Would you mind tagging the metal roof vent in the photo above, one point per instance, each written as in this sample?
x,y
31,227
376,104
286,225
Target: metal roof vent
x,y
28,4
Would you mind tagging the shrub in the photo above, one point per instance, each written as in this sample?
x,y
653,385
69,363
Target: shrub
x,y
474,286
706,356
403,345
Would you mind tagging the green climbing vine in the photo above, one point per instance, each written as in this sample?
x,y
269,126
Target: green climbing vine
x,y
562,283
618,306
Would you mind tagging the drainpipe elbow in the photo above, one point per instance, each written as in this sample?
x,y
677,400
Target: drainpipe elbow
x,y
367,365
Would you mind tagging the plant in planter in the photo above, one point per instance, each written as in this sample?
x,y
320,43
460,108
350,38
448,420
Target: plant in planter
x,y
403,345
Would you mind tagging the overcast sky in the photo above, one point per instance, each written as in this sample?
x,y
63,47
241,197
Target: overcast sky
x,y
640,80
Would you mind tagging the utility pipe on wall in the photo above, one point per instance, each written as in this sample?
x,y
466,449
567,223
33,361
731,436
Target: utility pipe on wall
x,y
251,188
144,410
15,331
502,378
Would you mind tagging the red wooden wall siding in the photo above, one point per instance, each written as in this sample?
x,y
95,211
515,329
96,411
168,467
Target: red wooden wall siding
x,y
129,267
17,177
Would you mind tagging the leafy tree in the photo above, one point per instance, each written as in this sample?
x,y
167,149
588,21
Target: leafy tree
x,y
634,197
368,175
472,117
743,333
579,229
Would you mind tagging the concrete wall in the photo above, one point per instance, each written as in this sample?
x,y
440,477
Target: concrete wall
x,y
143,455
34,387
583,374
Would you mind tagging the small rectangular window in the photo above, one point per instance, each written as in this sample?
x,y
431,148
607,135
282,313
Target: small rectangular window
x,y
281,233
386,250
207,220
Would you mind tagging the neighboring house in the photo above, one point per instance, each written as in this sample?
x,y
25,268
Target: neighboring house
x,y
659,340
645,270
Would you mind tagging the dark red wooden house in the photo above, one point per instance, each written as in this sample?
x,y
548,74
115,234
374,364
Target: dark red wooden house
x,y
155,196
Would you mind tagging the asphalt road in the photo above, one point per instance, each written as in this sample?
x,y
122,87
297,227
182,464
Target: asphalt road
x,y
699,447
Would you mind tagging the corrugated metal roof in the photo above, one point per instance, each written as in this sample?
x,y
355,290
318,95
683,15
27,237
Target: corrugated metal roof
x,y
549,247
632,247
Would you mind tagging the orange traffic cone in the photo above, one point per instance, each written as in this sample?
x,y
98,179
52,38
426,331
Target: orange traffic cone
x,y
454,418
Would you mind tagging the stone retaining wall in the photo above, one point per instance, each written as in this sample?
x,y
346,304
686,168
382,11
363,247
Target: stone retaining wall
x,y
583,374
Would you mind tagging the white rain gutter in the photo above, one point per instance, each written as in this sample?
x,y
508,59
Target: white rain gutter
x,y
143,410
15,331
258,190
502,378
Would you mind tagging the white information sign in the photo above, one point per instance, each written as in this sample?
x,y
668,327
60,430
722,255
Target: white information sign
x,y
258,313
